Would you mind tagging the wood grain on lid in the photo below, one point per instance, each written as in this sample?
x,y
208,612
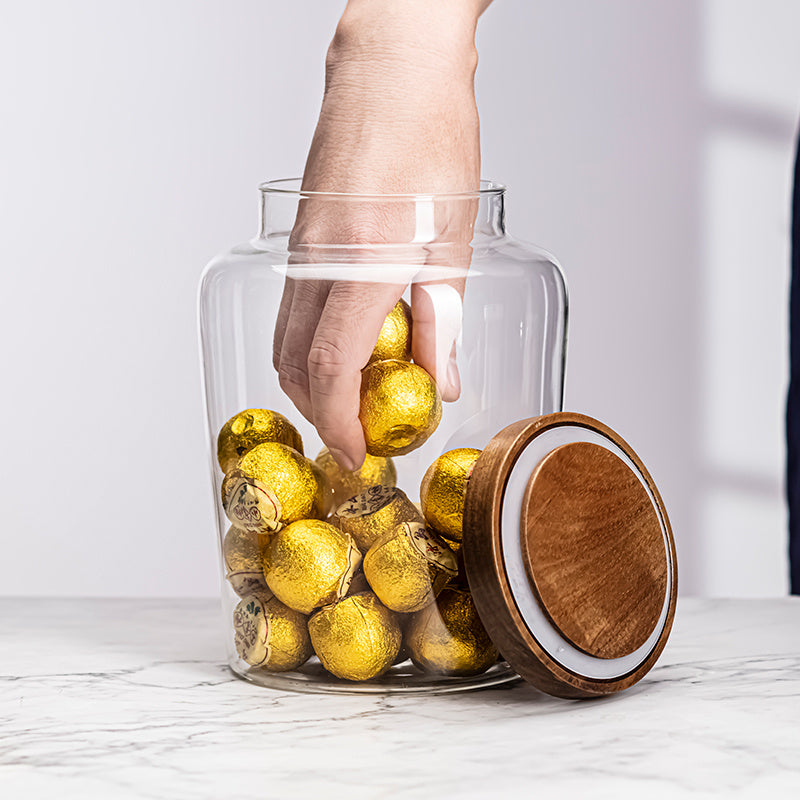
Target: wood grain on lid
x,y
593,549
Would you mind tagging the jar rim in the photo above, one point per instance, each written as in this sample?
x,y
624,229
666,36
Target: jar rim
x,y
292,186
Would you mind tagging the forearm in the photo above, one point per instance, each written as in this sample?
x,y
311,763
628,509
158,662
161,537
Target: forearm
x,y
399,97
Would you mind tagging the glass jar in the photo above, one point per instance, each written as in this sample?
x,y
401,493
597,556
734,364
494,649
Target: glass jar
x,y
496,305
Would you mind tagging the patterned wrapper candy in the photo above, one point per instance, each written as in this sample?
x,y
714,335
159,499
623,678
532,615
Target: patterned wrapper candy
x,y
243,554
273,485
408,567
270,636
372,513
309,564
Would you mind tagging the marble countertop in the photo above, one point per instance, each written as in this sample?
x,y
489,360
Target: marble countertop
x,y
132,699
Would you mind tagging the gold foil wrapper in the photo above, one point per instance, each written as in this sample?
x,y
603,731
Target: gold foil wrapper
x,y
408,567
394,340
243,431
282,478
372,513
443,489
357,638
270,636
375,471
310,564
243,554
400,407
448,638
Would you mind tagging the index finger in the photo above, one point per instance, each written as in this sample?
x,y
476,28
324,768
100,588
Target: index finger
x,y
346,334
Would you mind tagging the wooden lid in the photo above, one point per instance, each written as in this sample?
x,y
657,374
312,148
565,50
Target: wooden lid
x,y
569,555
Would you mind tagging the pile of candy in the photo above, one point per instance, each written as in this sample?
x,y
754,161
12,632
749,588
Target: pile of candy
x,y
342,564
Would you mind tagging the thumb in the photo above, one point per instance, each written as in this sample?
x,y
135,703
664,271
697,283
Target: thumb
x,y
436,311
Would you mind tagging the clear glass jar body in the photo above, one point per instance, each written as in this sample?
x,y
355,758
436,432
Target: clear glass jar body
x,y
509,346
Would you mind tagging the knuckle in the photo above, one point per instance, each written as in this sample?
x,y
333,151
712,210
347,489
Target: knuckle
x,y
290,376
327,358
367,229
323,226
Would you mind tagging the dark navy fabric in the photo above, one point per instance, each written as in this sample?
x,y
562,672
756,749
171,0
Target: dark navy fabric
x,y
793,404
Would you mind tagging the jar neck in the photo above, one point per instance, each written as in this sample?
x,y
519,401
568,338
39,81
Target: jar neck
x,y
318,219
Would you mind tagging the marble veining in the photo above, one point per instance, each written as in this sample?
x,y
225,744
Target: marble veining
x,y
132,699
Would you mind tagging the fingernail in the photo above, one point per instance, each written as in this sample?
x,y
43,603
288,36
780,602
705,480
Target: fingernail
x,y
343,460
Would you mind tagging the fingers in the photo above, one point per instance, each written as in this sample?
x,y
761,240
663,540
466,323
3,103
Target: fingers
x,y
308,300
344,339
326,330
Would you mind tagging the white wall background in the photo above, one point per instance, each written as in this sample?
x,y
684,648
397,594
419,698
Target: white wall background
x,y
648,144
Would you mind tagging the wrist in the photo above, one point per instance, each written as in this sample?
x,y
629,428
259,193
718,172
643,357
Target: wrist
x,y
419,32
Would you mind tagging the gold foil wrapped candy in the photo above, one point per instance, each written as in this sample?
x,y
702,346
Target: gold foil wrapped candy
x,y
243,431
269,635
357,638
373,512
408,566
400,407
394,340
243,553
443,489
375,471
310,564
448,638
273,485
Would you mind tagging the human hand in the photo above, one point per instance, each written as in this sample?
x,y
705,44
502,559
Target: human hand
x,y
398,116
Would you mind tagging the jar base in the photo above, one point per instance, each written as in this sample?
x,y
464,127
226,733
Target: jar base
x,y
402,678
